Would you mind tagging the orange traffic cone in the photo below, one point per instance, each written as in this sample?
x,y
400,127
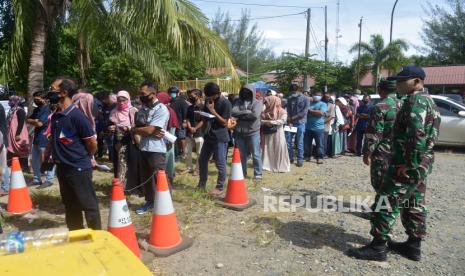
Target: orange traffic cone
x,y
165,238
19,201
119,220
236,194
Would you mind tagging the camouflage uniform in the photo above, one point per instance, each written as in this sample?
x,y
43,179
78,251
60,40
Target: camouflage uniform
x,y
416,129
378,138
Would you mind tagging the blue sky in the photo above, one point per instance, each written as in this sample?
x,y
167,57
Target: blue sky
x,y
288,33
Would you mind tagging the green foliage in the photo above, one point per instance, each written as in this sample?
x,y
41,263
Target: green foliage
x,y
242,39
380,56
7,22
444,32
110,69
422,60
291,67
109,43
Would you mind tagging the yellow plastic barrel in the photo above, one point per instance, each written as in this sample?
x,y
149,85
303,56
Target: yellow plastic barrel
x,y
88,252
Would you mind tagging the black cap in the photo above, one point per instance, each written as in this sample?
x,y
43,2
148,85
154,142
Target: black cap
x,y
388,85
409,72
173,89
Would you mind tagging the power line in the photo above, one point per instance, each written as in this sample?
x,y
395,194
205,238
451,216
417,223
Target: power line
x,y
316,42
252,4
270,17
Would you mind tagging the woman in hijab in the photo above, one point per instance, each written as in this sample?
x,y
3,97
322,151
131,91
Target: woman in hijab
x,y
173,124
125,153
275,154
18,138
85,102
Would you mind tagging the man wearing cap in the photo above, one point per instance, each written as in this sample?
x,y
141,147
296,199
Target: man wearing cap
x,y
377,151
415,132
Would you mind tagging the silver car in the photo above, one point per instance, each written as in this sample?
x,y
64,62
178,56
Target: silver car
x,y
452,129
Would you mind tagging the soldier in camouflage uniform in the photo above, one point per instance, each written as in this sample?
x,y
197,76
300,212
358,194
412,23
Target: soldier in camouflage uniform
x,y
416,130
378,136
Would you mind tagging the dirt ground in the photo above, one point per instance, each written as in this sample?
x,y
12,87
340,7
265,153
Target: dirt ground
x,y
259,242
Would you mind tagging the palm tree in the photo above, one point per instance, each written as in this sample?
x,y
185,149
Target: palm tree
x,y
381,56
137,28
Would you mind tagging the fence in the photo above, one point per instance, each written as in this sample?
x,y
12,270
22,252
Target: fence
x,y
226,85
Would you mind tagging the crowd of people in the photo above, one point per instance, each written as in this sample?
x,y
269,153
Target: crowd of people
x,y
72,128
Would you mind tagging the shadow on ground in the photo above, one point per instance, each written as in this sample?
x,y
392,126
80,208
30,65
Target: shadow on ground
x,y
314,235
48,202
355,209
22,223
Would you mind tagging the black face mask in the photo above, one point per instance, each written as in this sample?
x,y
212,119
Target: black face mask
x,y
53,97
146,100
38,103
193,100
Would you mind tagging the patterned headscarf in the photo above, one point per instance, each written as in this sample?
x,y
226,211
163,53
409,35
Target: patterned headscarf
x,y
273,109
85,102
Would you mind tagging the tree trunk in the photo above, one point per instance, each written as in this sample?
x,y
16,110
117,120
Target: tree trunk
x,y
376,80
46,13
36,63
83,59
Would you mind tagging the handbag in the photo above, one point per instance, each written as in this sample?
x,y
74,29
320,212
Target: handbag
x,y
269,129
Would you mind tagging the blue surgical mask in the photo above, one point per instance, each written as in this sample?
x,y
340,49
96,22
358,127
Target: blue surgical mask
x,y
317,98
173,95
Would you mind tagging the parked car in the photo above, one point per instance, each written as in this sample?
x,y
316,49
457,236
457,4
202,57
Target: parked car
x,y
452,129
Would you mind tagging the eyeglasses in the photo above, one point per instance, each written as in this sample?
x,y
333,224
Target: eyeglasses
x,y
50,89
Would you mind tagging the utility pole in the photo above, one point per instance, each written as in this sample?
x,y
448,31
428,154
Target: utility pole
x,y
338,30
307,46
326,47
359,48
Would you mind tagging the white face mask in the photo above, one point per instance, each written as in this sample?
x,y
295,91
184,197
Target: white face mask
x,y
333,98
247,103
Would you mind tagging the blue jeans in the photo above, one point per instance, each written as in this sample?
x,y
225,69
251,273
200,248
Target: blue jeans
x,y
6,180
360,133
36,162
219,150
299,137
319,136
250,145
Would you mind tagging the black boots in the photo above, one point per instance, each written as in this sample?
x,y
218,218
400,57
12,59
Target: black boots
x,y
411,249
375,251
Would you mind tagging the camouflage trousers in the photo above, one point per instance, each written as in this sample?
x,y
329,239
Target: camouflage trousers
x,y
405,197
378,170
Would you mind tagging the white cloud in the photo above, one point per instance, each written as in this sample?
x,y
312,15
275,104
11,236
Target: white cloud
x,y
270,34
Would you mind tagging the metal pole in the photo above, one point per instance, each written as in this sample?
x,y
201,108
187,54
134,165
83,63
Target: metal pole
x,y
326,47
247,57
359,48
307,46
392,20
338,30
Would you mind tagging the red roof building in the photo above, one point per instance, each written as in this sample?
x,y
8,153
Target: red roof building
x,y
439,79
